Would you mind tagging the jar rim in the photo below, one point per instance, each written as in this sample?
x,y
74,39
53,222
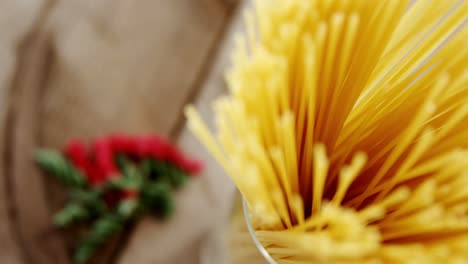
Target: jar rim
x,y
257,243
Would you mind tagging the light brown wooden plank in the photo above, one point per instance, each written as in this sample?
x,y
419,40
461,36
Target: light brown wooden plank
x,y
218,187
117,65
16,22
203,207
123,66
41,242
229,240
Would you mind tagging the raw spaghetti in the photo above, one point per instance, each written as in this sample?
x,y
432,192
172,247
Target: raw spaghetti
x,y
346,129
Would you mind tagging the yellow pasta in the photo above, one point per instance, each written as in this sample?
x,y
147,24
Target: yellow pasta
x,y
346,130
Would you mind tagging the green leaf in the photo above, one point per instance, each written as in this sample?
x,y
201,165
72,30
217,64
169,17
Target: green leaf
x,y
159,171
131,176
157,196
103,229
177,177
126,182
90,198
83,253
125,165
107,226
145,168
120,160
169,173
128,208
57,164
71,213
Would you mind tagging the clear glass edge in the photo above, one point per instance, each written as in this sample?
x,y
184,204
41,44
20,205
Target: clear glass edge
x,y
257,243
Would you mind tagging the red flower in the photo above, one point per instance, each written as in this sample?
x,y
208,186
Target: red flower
x,y
157,147
104,160
112,198
191,166
102,166
142,147
136,146
179,159
129,194
76,151
122,143
95,175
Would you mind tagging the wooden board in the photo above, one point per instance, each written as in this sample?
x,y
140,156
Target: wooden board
x,y
206,200
17,22
92,68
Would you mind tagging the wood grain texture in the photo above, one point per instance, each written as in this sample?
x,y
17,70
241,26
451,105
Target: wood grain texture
x,y
127,66
91,68
33,214
17,23
206,201
41,242
124,65
217,245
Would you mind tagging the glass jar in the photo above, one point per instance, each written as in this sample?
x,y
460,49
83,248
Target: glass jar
x,y
251,230
242,244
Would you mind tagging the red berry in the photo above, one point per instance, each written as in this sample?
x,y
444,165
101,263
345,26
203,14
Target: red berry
x,y
173,154
158,147
112,198
192,166
76,151
142,147
121,143
176,157
129,194
104,159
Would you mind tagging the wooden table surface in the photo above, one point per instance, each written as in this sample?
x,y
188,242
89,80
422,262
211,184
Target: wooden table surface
x,y
82,68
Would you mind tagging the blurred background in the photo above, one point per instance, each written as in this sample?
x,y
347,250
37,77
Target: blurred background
x,y
84,68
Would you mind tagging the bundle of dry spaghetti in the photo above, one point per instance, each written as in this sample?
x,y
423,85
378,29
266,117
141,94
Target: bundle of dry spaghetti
x,y
346,130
